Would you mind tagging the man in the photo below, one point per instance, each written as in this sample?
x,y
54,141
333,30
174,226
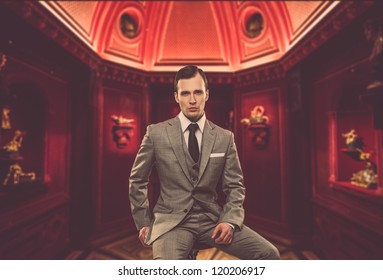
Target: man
x,y
191,155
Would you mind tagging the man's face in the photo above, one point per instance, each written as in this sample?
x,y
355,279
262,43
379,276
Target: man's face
x,y
192,96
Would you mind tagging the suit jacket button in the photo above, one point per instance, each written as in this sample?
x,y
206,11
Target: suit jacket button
x,y
185,210
194,179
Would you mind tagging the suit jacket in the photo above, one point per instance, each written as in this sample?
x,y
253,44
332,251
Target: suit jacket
x,y
162,147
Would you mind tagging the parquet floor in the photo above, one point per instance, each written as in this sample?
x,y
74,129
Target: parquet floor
x,y
130,248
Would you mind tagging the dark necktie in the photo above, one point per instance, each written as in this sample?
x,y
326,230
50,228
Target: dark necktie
x,y
193,144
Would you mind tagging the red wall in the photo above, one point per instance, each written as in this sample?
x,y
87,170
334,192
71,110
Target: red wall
x,y
348,219
262,166
83,199
35,219
112,205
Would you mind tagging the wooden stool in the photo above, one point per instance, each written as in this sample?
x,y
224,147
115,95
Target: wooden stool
x,y
196,248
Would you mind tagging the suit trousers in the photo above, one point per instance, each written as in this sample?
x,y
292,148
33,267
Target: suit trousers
x,y
198,227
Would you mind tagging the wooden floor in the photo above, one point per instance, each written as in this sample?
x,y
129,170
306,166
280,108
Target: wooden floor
x,y
130,248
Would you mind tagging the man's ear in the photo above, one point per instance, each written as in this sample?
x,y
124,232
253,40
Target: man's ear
x,y
176,96
207,95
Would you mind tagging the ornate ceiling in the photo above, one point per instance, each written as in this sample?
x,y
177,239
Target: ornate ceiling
x,y
164,35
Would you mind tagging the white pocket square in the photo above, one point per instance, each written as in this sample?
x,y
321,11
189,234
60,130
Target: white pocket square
x,y
217,155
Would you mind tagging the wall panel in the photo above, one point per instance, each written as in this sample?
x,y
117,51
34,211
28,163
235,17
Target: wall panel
x,y
262,166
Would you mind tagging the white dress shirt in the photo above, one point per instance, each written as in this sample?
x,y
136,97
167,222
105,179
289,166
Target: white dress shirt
x,y
198,133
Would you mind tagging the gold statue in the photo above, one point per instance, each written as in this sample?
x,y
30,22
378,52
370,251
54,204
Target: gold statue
x,y
350,136
15,144
366,178
354,143
120,120
16,175
364,156
3,61
258,124
5,119
256,116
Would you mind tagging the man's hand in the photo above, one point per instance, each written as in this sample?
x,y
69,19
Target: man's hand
x,y
143,234
223,233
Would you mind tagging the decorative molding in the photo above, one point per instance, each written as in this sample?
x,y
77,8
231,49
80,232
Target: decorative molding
x,y
261,74
41,19
122,74
213,78
339,18
146,52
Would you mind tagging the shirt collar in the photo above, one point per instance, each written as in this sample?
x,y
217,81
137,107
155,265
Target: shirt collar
x,y
185,122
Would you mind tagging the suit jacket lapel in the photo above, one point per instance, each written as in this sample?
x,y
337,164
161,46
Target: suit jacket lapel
x,y
175,137
208,140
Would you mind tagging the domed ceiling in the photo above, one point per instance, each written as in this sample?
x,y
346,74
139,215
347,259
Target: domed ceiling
x,y
221,36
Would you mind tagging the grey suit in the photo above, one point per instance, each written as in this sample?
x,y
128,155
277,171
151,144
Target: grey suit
x,y
180,190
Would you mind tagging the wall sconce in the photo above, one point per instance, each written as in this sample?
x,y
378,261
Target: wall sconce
x,y
121,130
258,124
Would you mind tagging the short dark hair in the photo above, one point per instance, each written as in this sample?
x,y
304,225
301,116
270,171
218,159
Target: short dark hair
x,y
188,72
